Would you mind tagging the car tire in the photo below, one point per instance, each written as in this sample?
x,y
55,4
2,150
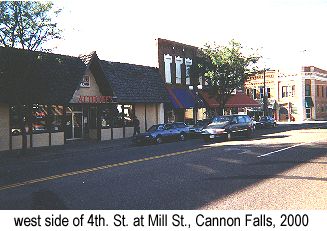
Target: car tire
x,y
159,140
182,136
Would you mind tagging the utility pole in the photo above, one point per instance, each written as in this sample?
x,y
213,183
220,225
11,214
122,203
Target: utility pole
x,y
264,93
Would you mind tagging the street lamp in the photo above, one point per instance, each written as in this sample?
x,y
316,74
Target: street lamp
x,y
195,112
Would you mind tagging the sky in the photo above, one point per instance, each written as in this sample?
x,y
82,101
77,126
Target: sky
x,y
288,33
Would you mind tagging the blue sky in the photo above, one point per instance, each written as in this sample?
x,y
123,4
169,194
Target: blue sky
x,y
288,33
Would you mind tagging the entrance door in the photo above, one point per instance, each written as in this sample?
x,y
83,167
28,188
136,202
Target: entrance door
x,y
308,113
74,125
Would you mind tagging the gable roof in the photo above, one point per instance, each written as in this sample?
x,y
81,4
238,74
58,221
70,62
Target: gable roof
x,y
38,77
135,83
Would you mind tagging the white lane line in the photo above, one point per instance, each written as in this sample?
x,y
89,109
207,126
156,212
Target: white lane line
x,y
296,145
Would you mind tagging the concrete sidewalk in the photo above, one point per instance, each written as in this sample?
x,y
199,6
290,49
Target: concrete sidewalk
x,y
303,122
71,148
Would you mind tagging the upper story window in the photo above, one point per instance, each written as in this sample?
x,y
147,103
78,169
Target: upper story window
x,y
261,92
188,64
178,62
322,91
248,91
284,92
317,90
268,92
254,92
307,90
293,90
85,81
168,60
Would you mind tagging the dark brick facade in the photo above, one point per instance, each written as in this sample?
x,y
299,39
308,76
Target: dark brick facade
x,y
175,49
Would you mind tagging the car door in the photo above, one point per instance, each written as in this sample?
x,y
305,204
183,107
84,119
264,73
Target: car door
x,y
242,124
234,128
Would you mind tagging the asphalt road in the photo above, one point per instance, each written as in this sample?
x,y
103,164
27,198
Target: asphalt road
x,y
280,168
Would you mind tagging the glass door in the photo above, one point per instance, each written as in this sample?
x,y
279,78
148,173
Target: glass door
x,y
74,124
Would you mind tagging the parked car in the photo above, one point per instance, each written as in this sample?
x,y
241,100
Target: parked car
x,y
196,130
266,122
161,132
228,126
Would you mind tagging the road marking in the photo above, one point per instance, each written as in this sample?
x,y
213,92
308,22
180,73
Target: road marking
x,y
103,167
296,145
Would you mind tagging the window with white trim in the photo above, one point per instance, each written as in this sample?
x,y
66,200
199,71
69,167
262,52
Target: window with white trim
x,y
178,63
188,64
168,60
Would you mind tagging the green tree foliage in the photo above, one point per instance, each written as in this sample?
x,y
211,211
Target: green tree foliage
x,y
27,25
225,68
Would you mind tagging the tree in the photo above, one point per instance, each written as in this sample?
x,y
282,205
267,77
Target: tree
x,y
27,25
225,69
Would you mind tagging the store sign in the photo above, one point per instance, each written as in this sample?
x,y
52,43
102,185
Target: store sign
x,y
94,99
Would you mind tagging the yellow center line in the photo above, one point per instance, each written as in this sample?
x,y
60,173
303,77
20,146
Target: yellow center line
x,y
89,170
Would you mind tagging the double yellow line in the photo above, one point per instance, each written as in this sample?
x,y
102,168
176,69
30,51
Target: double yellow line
x,y
89,170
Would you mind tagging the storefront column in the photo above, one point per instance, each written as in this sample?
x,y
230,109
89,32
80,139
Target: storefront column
x,y
29,122
10,128
99,122
65,123
145,120
123,111
49,123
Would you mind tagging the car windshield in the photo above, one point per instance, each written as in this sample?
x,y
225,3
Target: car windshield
x,y
264,119
221,119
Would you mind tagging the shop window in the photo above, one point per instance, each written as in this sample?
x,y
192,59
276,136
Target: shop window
x,y
116,116
58,118
14,120
129,115
39,118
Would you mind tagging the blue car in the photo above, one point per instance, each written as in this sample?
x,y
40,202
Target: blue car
x,y
161,132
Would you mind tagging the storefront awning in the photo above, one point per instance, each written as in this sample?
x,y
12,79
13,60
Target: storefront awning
x,y
236,100
211,101
184,98
241,100
308,102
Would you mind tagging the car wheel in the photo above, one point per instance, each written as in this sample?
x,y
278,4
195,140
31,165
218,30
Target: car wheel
x,y
182,136
158,139
229,136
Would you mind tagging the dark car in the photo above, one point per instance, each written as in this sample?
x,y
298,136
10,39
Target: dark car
x,y
228,126
266,122
196,130
160,132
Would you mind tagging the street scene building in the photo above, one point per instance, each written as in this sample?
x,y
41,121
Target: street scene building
x,y
58,98
295,97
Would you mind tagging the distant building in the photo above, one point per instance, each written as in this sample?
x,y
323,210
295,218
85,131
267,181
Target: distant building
x,y
296,97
